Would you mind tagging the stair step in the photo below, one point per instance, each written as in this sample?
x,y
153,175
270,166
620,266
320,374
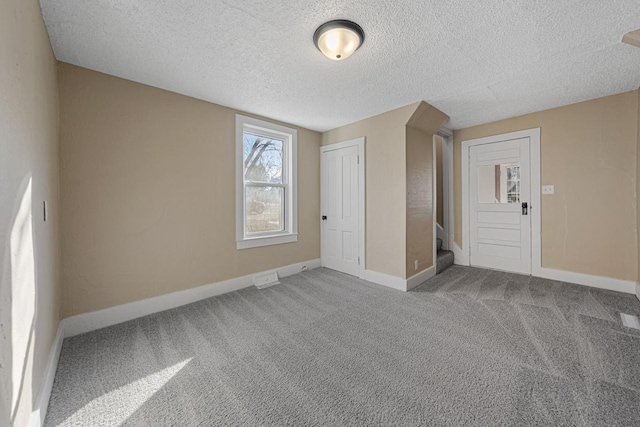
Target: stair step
x,y
444,260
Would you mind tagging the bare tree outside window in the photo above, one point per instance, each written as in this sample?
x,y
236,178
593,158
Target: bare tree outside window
x,y
264,178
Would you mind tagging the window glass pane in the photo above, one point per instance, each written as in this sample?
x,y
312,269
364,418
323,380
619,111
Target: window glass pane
x,y
262,159
264,209
499,183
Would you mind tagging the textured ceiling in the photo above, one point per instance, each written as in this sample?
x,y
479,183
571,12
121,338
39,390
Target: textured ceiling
x,y
477,61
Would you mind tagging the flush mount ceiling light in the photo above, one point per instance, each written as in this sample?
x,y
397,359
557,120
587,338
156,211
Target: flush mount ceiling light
x,y
338,39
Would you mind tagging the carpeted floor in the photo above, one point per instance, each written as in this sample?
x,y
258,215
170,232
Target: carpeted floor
x,y
469,347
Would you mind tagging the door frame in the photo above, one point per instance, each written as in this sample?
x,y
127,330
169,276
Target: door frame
x,y
360,143
535,205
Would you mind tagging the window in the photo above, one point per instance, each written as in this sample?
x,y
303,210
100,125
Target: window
x,y
265,183
513,184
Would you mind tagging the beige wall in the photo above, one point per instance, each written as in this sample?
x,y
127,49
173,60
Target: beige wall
x,y
385,154
420,195
439,183
588,151
399,186
148,190
29,285
421,128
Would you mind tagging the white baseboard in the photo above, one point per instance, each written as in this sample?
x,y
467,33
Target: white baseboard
x,y
385,280
626,286
397,282
99,319
87,322
42,400
608,283
421,277
638,291
459,257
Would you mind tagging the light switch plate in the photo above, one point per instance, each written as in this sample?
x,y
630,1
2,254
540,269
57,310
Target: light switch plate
x,y
548,189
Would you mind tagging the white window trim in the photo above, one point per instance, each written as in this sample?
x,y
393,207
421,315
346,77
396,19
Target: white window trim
x,y
290,136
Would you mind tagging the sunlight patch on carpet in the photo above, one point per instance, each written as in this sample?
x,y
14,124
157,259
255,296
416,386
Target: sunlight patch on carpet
x,y
126,400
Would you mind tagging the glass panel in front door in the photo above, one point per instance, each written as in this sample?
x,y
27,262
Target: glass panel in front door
x,y
499,183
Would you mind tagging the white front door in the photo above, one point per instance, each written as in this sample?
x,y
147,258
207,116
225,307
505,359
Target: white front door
x,y
340,214
499,217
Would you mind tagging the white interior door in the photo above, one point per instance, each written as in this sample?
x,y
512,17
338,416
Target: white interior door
x,y
340,209
499,217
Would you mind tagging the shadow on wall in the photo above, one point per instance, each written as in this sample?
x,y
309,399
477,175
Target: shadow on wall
x,y
18,308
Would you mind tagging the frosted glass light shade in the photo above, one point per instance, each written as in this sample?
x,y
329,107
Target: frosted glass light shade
x,y
338,40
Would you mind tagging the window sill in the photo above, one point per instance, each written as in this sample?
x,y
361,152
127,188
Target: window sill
x,y
267,241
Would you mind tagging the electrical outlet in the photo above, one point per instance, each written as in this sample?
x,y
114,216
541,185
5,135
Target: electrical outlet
x,y
415,263
548,189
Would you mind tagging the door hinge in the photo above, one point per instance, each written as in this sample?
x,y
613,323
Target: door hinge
x,y
358,260
358,158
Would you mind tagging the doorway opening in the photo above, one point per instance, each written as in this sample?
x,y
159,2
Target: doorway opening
x,y
443,206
